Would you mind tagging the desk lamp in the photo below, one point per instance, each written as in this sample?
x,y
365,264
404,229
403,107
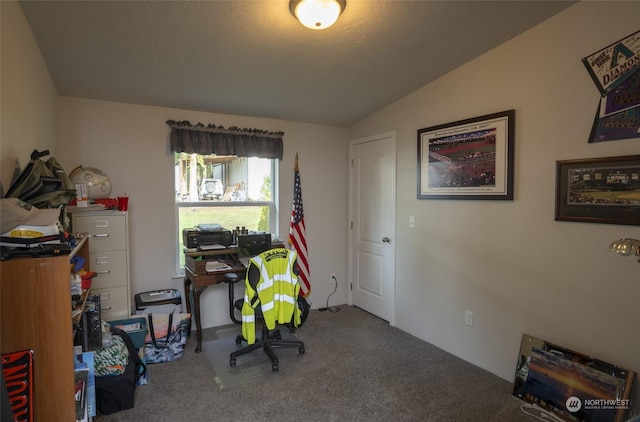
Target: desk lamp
x,y
626,247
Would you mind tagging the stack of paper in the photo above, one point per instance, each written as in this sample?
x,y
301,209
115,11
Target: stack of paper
x,y
213,266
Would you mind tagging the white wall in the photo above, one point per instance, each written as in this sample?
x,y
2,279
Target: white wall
x,y
130,144
510,263
28,95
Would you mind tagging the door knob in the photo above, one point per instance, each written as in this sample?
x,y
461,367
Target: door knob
x,y
386,240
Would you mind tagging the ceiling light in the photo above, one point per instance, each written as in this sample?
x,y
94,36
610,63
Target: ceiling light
x,y
317,14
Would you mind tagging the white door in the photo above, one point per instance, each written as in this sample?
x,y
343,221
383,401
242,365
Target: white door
x,y
372,224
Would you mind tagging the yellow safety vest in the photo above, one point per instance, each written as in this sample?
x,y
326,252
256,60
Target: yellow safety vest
x,y
276,292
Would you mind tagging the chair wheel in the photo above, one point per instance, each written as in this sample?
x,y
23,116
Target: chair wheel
x,y
232,361
238,341
275,367
301,350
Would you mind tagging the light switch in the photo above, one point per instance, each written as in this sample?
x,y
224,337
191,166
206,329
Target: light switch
x,y
468,318
412,221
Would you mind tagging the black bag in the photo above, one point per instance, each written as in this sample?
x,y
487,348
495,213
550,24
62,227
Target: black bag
x,y
115,393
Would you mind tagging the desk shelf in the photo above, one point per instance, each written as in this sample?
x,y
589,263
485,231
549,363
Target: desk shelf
x,y
197,261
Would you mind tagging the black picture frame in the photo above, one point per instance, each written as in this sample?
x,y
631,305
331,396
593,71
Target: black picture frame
x,y
468,159
599,190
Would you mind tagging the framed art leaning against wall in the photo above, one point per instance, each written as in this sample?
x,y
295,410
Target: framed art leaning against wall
x,y
468,159
599,190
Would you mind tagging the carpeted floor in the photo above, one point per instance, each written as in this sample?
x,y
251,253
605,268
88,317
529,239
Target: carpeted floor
x,y
254,369
356,368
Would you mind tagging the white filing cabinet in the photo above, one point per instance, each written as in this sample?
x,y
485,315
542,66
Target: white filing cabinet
x,y
109,259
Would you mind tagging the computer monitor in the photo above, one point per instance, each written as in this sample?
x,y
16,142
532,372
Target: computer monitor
x,y
250,245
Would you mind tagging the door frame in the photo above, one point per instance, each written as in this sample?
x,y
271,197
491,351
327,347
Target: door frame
x,y
391,136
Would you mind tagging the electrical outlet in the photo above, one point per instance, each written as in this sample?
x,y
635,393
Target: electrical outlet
x,y
332,277
468,318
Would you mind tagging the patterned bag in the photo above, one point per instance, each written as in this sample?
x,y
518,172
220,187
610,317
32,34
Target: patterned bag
x,y
117,392
111,360
167,337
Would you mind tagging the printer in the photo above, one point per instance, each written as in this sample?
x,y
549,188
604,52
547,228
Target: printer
x,y
206,234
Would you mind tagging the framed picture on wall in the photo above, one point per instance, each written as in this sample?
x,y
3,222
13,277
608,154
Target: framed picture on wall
x,y
468,159
599,190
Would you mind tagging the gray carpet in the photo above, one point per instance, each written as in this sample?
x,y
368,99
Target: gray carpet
x,y
356,368
254,368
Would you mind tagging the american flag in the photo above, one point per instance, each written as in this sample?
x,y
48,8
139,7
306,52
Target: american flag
x,y
297,237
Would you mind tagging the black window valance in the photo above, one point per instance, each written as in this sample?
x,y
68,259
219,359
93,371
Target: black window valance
x,y
212,139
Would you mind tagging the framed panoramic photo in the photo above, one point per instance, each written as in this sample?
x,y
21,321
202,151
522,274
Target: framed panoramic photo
x,y
468,159
599,190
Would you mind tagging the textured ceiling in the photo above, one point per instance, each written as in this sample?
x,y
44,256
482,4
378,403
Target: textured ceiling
x,y
252,58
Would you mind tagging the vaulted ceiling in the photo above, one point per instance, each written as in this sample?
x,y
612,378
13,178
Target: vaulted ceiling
x,y
252,58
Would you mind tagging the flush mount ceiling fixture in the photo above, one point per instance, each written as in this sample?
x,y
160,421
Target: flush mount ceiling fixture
x,y
317,14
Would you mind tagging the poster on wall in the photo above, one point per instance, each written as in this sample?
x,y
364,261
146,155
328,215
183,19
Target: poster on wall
x,y
611,65
615,71
624,97
617,126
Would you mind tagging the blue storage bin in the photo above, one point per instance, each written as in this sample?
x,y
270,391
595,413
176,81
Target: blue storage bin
x,y
136,333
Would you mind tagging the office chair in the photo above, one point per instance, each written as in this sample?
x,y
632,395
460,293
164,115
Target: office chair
x,y
283,304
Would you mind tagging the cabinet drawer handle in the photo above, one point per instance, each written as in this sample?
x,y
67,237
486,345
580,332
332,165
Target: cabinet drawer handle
x,y
101,223
101,235
104,272
105,296
105,308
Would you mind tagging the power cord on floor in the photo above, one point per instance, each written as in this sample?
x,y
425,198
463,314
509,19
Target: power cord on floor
x,y
333,308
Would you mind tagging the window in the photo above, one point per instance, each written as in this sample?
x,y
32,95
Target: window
x,y
229,190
